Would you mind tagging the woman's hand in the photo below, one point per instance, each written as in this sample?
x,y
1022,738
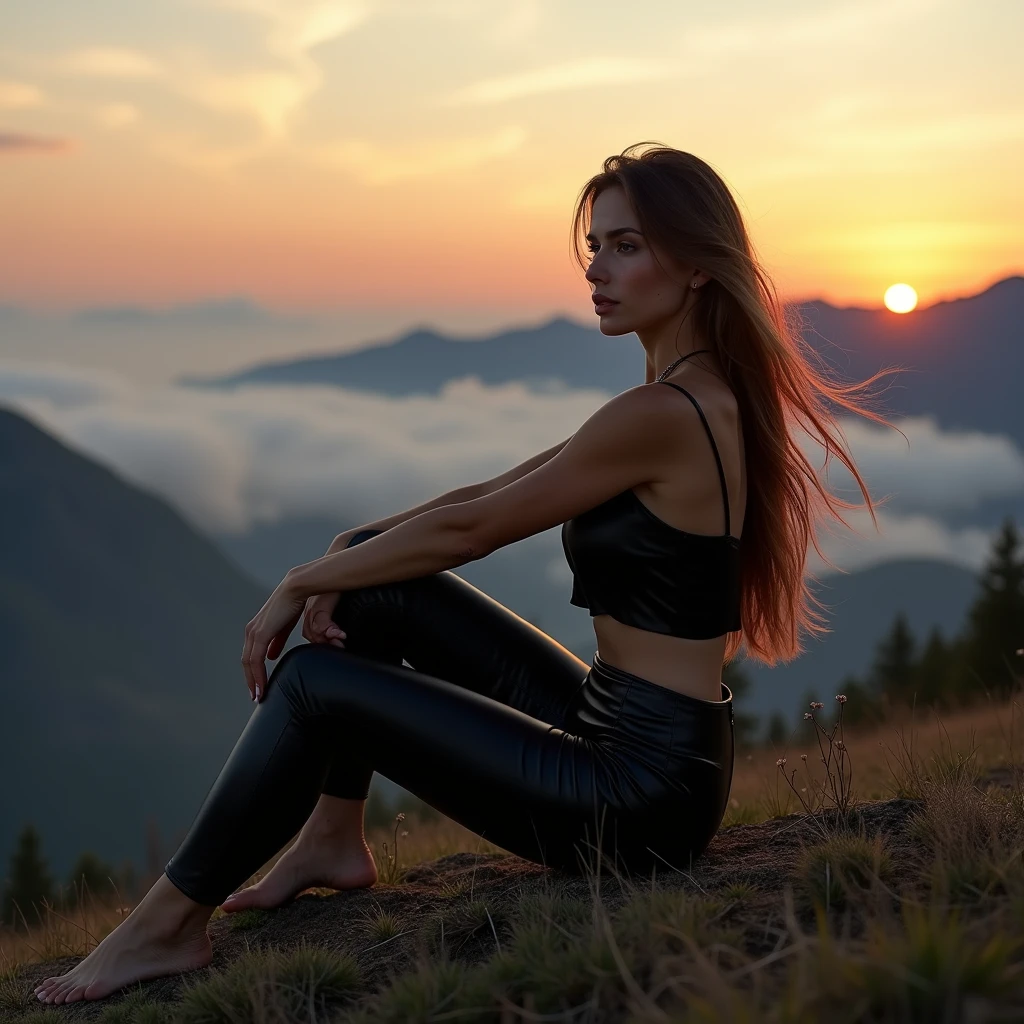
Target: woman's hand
x,y
267,633
318,625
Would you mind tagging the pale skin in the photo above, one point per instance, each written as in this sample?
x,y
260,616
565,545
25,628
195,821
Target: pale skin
x,y
648,438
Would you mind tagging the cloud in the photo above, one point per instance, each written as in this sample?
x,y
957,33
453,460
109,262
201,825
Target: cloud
x,y
940,472
293,27
19,95
847,24
296,26
578,74
231,459
705,48
269,97
228,460
26,142
915,536
378,166
117,115
110,62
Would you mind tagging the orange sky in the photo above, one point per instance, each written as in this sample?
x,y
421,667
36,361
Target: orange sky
x,y
427,153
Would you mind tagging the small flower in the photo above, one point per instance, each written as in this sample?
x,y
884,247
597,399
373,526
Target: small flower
x,y
840,745
403,833
807,715
815,704
400,816
841,698
780,763
803,757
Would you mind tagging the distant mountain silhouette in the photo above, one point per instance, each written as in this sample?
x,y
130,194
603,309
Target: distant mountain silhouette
x,y
120,633
423,361
965,359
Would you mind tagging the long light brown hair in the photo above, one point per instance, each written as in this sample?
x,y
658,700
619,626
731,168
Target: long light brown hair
x,y
686,209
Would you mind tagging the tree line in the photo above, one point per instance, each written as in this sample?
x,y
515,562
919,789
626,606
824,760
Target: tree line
x,y
985,660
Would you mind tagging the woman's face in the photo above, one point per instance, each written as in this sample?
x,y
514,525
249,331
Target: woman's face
x,y
623,268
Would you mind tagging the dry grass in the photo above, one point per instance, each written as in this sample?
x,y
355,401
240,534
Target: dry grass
x,y
882,757
53,933
924,923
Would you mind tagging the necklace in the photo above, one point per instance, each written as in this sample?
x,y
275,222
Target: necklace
x,y
668,369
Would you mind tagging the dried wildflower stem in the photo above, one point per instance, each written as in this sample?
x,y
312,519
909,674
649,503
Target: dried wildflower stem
x,y
840,792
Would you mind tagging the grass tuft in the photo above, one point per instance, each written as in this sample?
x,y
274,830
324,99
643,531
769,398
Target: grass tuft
x,y
301,985
251,917
842,868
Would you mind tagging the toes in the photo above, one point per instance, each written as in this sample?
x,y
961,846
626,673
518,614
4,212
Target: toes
x,y
239,901
95,991
61,996
46,989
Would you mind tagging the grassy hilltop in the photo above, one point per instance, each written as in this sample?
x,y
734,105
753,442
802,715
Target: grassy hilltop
x,y
890,889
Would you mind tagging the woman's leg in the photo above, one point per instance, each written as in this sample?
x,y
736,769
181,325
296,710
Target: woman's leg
x,y
450,630
520,782
493,651
653,758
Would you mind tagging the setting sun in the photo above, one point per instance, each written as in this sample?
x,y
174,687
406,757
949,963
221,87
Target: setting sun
x,y
900,298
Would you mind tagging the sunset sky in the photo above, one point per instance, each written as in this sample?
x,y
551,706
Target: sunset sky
x,y
420,154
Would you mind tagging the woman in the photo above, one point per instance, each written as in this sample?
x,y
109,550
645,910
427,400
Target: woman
x,y
496,724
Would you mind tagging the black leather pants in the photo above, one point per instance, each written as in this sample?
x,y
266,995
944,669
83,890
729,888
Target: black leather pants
x,y
496,725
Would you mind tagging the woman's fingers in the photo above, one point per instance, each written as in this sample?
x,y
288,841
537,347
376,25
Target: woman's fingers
x,y
247,647
318,625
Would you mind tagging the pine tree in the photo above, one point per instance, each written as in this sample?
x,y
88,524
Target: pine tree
x,y
893,672
90,879
995,627
28,882
935,674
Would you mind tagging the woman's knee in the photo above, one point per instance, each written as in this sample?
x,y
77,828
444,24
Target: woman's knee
x,y
301,671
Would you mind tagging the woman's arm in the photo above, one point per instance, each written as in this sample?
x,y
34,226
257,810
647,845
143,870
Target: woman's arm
x,y
455,497
621,445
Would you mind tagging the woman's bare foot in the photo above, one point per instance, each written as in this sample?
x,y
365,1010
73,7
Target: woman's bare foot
x,y
311,861
164,934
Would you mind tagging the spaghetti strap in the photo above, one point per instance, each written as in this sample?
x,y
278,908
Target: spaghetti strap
x,y
714,447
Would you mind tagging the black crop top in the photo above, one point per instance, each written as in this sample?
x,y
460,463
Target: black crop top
x,y
635,567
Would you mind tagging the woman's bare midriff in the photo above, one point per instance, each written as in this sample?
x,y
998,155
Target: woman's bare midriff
x,y
693,667
690,498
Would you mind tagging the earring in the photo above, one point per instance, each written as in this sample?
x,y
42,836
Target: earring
x,y
694,286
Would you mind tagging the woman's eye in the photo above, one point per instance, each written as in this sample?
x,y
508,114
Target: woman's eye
x,y
593,248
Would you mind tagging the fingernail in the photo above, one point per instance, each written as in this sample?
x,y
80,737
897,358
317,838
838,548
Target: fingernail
x,y
258,693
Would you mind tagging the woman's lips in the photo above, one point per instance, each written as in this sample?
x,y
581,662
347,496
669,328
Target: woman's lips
x,y
604,307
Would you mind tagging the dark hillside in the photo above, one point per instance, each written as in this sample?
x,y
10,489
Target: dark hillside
x,y
120,629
